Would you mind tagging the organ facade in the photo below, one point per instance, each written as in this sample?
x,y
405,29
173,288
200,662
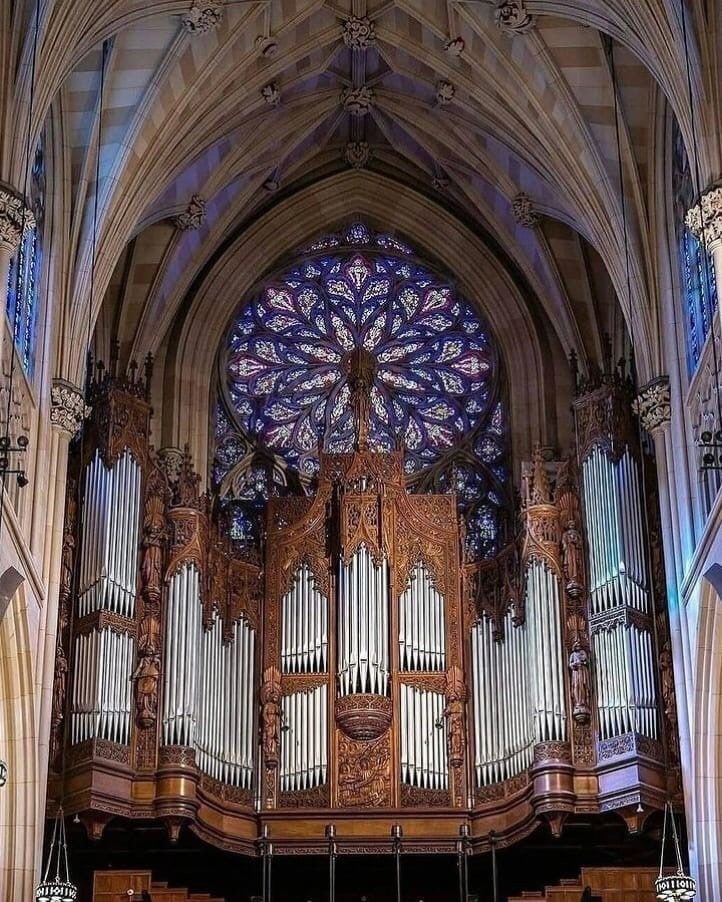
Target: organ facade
x,y
363,671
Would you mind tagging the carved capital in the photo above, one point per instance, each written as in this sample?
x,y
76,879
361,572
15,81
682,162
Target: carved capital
x,y
193,216
653,404
358,32
68,408
357,101
704,219
203,16
522,208
358,154
511,16
15,218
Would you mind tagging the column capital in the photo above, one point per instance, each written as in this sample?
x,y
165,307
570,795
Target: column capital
x,y
704,217
68,408
15,218
653,405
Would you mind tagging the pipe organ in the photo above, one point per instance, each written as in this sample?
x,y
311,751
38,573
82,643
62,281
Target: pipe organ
x,y
355,670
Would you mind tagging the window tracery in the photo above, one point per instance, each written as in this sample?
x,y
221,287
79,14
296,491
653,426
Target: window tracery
x,y
436,376
22,288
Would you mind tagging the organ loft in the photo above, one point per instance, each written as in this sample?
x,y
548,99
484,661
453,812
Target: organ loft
x,y
350,628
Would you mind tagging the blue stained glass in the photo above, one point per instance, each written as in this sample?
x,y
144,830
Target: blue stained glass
x,y
435,375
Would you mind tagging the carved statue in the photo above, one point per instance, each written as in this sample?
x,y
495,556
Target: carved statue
x,y
154,532
454,714
580,683
60,682
271,716
145,678
572,556
667,680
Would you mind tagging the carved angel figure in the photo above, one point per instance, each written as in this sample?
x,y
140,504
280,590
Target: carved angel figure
x,y
145,677
572,554
271,716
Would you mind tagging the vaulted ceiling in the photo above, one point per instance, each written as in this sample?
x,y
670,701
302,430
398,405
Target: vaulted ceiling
x,y
503,112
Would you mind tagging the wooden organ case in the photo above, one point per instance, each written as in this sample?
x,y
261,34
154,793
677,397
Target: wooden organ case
x,y
363,690
361,673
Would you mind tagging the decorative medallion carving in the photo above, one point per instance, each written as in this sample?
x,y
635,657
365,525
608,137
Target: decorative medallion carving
x,y
358,101
455,47
358,154
523,211
364,772
194,215
203,16
358,32
511,16
271,93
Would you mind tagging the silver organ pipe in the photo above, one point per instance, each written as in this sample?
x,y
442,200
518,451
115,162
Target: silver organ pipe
x,y
422,632
110,536
304,636
225,735
613,520
363,647
623,653
304,739
424,760
625,681
182,646
504,727
546,658
102,692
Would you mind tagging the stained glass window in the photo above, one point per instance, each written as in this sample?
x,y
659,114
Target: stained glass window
x,y
696,267
435,390
22,288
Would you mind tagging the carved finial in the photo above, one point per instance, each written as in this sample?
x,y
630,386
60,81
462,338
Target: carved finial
x,y
357,101
194,214
358,154
522,208
271,93
445,92
202,16
358,32
511,16
361,369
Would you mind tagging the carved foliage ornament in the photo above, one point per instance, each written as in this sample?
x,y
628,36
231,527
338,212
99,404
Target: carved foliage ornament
x,y
511,16
203,16
358,32
68,408
445,92
271,93
522,208
357,101
193,216
704,219
15,218
358,154
653,404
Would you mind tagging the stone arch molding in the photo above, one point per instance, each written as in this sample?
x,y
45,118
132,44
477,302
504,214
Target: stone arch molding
x,y
533,361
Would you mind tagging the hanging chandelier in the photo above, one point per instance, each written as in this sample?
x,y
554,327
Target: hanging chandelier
x,y
673,887
58,888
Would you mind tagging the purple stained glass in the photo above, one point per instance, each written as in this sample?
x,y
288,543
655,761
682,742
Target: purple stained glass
x,y
435,369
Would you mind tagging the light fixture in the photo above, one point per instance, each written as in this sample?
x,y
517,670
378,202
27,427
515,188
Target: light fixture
x,y
673,887
59,888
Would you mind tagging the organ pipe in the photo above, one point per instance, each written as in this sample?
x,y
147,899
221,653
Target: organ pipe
x,y
503,717
304,616
363,657
422,632
304,755
546,652
110,535
101,699
424,761
183,633
625,681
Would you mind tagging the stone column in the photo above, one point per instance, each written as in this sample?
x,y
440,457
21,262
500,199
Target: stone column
x,y
704,220
15,218
654,407
67,412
